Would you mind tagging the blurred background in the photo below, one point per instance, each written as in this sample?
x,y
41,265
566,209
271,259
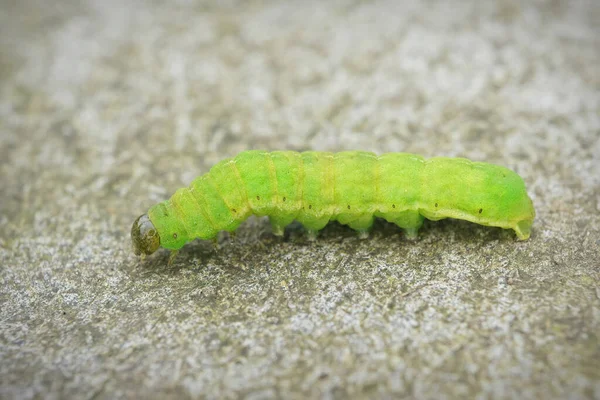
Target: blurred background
x,y
107,107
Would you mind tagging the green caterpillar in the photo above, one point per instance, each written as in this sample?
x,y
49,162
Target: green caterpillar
x,y
350,187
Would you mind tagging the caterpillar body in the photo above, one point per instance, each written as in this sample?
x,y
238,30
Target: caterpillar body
x,y
350,187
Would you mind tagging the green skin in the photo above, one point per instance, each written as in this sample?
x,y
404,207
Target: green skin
x,y
350,187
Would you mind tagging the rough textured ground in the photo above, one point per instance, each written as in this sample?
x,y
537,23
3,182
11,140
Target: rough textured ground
x,y
107,107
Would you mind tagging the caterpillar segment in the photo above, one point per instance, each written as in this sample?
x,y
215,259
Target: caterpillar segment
x,y
350,187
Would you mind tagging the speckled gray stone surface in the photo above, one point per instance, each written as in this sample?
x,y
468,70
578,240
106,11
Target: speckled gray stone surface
x,y
107,107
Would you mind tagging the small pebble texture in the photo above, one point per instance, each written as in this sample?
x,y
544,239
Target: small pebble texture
x,y
109,106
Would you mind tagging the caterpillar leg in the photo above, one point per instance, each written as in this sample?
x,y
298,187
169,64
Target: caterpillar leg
x,y
172,257
314,225
411,233
363,225
363,234
409,221
311,234
278,224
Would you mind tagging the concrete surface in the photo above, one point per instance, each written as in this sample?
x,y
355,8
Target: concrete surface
x,y
107,107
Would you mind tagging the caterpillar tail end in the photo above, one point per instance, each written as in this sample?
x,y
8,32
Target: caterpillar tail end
x,y
523,230
144,237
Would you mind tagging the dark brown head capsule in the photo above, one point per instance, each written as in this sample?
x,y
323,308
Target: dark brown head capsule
x,y
144,236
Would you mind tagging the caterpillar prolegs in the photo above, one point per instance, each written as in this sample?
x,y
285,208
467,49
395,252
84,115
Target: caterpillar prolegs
x,y
350,187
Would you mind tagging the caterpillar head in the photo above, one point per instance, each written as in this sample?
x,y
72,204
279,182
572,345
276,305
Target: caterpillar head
x,y
144,236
